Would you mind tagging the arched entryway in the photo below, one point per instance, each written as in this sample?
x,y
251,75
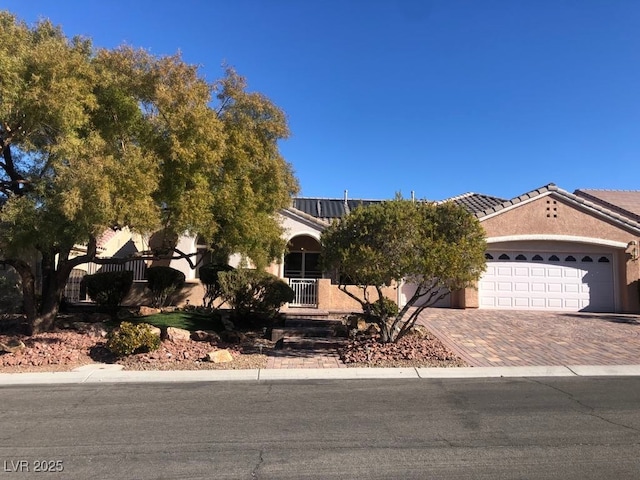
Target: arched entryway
x,y
303,258
302,269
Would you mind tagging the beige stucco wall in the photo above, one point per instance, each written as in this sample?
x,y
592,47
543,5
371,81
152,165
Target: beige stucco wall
x,y
550,223
330,297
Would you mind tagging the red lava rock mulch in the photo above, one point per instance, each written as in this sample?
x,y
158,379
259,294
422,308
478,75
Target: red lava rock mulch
x,y
65,350
416,349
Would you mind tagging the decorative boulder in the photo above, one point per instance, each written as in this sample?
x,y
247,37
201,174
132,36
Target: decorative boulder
x,y
178,335
232,336
220,356
155,330
205,336
144,311
13,345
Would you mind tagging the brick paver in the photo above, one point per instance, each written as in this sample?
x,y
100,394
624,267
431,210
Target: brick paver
x,y
304,358
489,338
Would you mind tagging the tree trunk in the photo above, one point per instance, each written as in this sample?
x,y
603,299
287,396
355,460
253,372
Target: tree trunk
x,y
54,279
28,281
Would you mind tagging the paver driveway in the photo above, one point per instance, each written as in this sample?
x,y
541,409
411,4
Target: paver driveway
x,y
490,338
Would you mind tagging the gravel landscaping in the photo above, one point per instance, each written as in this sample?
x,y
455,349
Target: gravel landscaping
x,y
419,348
66,349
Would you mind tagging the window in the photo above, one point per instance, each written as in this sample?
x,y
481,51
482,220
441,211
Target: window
x,y
554,258
587,259
603,260
488,256
504,256
570,258
302,265
521,257
537,258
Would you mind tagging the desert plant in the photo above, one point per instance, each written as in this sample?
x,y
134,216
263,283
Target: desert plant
x,y
254,293
108,289
163,283
383,308
130,338
209,278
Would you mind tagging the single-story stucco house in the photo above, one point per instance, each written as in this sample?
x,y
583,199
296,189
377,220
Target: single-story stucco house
x,y
547,249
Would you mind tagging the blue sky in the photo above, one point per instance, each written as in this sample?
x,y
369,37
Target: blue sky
x,y
440,97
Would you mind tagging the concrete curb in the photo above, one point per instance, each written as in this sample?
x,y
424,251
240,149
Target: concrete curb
x,y
90,374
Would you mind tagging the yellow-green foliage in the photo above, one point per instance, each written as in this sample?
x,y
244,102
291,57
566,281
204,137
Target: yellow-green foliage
x,y
130,338
439,247
93,139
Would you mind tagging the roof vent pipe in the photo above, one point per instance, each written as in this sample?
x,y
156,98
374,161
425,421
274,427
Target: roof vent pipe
x,y
346,195
413,196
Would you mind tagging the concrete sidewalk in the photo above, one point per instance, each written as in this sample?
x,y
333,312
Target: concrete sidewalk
x,y
94,374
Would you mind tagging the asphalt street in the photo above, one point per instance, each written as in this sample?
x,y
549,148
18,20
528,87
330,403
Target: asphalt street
x,y
497,428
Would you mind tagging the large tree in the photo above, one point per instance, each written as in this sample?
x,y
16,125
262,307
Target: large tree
x,y
95,139
439,247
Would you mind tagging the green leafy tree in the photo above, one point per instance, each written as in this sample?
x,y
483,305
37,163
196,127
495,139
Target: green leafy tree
x,y
439,247
93,139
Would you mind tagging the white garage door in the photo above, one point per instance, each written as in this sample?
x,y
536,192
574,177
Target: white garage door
x,y
548,281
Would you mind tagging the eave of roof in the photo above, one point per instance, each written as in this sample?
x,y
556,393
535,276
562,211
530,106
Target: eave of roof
x,y
614,200
299,214
551,188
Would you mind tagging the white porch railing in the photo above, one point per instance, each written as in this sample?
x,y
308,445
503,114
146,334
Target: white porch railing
x,y
73,291
306,292
138,267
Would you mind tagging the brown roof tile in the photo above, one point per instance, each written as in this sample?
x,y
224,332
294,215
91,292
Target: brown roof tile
x,y
625,202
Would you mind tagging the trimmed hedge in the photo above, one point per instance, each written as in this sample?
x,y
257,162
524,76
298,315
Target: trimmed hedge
x,y
163,283
254,294
211,281
108,289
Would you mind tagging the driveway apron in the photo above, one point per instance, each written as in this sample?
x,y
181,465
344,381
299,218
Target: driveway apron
x,y
491,338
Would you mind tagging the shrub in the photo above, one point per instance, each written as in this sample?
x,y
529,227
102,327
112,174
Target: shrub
x,y
10,295
130,338
163,283
254,292
109,289
384,308
209,278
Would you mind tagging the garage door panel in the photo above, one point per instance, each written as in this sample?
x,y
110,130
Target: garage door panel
x,y
552,285
555,303
572,288
521,302
520,287
539,302
504,302
572,303
538,287
571,272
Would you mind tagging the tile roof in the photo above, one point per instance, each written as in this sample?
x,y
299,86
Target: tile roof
x,y
625,202
475,202
621,218
515,200
328,209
